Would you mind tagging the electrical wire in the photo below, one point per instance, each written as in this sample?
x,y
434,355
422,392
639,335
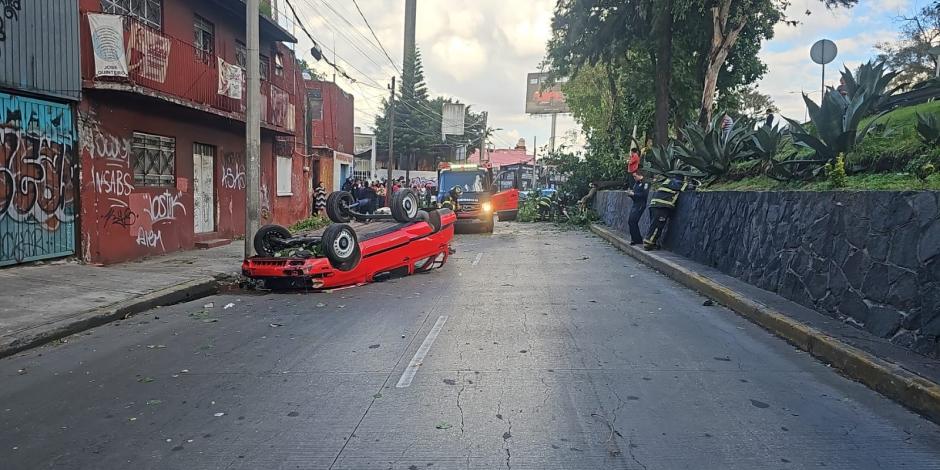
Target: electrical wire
x,y
342,34
415,107
356,3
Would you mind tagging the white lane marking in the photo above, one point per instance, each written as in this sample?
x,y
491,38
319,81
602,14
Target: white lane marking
x,y
409,374
477,259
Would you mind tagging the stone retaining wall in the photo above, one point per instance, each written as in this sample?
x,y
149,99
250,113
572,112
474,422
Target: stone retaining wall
x,y
869,258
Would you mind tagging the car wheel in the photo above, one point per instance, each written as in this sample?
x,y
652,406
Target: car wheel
x,y
341,247
266,239
337,206
405,206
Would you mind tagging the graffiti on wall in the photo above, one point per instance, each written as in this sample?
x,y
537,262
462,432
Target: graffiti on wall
x,y
110,160
9,10
163,207
123,208
265,202
37,175
233,171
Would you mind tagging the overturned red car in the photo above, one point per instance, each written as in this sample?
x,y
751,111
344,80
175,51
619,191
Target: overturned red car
x,y
374,247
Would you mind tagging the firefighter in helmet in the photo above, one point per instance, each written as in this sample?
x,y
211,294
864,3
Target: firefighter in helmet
x,y
662,206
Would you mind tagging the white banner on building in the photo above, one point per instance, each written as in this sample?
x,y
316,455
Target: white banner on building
x,y
107,39
230,80
452,119
149,53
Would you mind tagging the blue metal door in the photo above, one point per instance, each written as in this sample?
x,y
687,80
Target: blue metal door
x,y
37,180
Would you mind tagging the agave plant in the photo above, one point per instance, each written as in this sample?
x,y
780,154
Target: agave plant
x,y
928,127
713,151
662,161
870,79
838,118
766,142
790,168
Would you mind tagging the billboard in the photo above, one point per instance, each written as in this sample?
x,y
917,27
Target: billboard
x,y
452,119
549,100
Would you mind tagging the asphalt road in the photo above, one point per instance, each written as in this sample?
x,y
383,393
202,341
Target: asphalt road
x,y
554,351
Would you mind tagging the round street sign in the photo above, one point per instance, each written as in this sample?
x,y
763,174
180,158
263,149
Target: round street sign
x,y
823,52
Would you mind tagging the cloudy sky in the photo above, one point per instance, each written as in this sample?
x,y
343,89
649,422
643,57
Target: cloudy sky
x,y
479,51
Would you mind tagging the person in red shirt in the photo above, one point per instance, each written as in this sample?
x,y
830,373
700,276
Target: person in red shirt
x,y
634,165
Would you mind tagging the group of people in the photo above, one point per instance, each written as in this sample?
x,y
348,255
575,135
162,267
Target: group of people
x,y
662,204
372,195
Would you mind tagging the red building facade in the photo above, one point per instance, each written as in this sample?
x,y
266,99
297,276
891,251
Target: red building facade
x,y
330,132
162,150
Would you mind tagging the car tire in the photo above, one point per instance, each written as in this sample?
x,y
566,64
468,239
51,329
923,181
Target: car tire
x,y
337,206
488,226
341,247
265,237
405,206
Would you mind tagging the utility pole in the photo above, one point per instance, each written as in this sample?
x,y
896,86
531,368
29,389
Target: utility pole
x,y
391,143
411,13
551,143
252,128
483,156
535,156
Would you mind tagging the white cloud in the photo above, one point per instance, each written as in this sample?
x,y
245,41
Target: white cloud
x,y
458,57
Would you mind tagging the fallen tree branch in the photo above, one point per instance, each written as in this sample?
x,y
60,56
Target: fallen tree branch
x,y
599,186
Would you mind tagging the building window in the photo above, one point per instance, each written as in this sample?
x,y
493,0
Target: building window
x,y
241,55
154,160
204,39
284,166
279,64
316,105
265,66
241,58
149,12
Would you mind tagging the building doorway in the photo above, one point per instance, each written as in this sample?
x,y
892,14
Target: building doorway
x,y
203,188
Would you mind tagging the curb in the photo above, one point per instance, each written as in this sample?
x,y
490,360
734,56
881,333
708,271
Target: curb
x,y
190,290
887,378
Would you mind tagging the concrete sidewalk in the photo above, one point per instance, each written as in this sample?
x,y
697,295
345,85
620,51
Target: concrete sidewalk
x,y
898,373
46,301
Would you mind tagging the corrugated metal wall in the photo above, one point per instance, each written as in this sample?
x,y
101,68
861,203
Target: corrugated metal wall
x,y
41,51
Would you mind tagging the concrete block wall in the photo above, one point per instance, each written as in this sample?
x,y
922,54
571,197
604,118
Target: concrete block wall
x,y
869,258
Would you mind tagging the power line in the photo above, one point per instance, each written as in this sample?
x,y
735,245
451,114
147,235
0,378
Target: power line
x,y
341,33
336,67
416,107
356,3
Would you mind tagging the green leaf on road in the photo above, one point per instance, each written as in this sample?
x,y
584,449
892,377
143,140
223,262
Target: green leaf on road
x,y
444,425
154,402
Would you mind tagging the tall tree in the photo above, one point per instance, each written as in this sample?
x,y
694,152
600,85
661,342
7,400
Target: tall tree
x,y
414,116
909,55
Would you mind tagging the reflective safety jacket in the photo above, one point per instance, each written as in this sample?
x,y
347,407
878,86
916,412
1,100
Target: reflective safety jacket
x,y
667,194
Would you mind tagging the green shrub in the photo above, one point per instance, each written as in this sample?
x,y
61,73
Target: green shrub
x,y
835,173
928,128
925,171
315,222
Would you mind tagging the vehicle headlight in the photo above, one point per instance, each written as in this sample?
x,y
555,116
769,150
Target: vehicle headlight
x,y
487,207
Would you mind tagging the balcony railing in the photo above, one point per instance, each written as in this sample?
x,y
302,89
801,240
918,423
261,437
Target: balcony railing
x,y
180,72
